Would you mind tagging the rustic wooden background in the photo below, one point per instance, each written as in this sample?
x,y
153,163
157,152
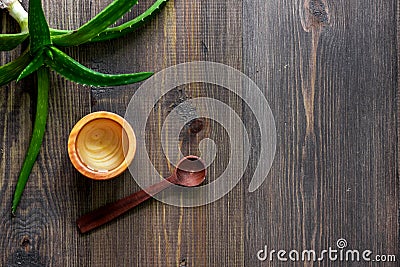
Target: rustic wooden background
x,y
329,70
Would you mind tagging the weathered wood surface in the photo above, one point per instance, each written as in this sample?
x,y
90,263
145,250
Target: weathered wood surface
x,y
329,70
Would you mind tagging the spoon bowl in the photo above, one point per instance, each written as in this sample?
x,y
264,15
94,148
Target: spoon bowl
x,y
190,171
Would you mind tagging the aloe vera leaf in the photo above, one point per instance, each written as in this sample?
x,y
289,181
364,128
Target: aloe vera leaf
x,y
48,53
37,135
74,71
132,25
55,32
11,70
33,66
9,41
38,29
96,25
127,27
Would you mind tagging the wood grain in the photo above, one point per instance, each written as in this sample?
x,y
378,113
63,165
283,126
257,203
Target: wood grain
x,y
328,73
329,70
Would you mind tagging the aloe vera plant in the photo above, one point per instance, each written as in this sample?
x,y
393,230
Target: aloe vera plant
x,y
42,54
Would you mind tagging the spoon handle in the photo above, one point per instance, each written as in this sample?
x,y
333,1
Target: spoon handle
x,y
106,213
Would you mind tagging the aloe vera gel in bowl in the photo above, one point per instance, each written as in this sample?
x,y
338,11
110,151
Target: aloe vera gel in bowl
x,y
101,145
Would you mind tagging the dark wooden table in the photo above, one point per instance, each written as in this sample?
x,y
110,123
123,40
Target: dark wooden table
x,y
329,70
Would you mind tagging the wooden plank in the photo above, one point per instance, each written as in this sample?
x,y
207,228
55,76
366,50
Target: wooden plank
x,y
330,74
154,234
328,71
43,232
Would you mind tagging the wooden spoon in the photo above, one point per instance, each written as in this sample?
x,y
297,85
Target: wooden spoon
x,y
190,171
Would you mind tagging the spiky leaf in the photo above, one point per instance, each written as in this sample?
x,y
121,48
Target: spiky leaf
x,y
96,25
38,29
76,72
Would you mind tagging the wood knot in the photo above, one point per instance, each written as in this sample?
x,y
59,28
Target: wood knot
x,y
183,263
25,243
318,10
315,14
196,125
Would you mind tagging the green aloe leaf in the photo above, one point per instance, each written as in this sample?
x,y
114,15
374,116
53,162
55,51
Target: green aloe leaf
x,y
132,25
38,29
55,32
96,25
10,41
33,66
37,135
11,71
74,71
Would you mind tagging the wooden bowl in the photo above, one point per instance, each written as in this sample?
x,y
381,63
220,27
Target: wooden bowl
x,y
101,145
